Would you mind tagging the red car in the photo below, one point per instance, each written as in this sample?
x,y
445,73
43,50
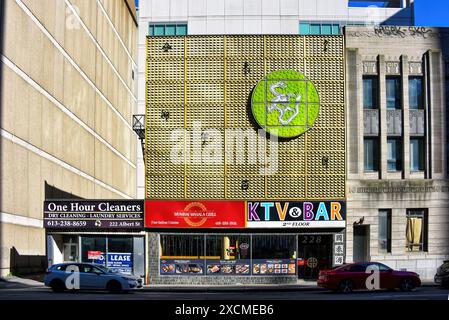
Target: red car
x,y
353,276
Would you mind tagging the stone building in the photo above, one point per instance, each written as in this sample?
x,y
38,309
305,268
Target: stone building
x,y
397,188
68,93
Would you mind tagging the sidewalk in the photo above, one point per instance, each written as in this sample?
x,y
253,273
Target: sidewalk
x,y
12,282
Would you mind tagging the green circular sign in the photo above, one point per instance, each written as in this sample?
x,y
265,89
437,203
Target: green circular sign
x,y
285,103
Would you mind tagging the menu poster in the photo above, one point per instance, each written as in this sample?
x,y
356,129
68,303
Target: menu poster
x,y
273,267
185,267
228,267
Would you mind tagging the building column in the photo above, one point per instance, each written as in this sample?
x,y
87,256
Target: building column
x,y
382,118
405,118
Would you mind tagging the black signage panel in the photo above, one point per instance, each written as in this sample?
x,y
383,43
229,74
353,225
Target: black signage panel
x,y
94,214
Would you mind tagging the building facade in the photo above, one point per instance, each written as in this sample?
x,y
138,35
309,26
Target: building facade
x,y
397,136
245,158
68,93
253,17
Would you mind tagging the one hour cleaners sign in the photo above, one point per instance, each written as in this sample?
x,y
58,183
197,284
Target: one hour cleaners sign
x,y
296,214
93,214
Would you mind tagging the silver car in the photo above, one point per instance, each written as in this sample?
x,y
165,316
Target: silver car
x,y
88,276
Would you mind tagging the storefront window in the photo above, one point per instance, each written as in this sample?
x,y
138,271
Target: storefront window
x,y
90,244
182,254
228,255
274,247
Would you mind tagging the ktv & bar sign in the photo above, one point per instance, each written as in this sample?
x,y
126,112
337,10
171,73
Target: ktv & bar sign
x,y
296,214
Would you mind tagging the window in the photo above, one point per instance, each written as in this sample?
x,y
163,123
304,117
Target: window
x,y
417,154
416,230
167,29
228,247
393,92
182,246
394,154
415,93
319,29
92,244
371,154
384,231
370,92
274,247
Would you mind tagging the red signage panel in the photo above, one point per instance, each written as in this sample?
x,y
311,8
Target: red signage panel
x,y
194,214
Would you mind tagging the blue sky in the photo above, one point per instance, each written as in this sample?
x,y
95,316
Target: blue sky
x,y
432,13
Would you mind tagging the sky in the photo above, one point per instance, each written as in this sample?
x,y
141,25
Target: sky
x,y
432,13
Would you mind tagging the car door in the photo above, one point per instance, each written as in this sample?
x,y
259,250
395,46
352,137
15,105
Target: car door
x,y
357,273
388,279
91,277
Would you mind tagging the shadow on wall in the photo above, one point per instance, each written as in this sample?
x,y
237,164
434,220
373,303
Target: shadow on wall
x,y
2,28
26,264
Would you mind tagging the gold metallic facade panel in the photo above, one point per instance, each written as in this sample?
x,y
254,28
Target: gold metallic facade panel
x,y
207,115
245,187
206,70
210,46
285,64
319,46
326,139
160,94
203,92
173,70
326,163
205,187
286,187
245,69
165,187
324,69
284,47
331,92
326,187
237,116
165,116
239,92
244,47
165,47
331,116
209,80
160,160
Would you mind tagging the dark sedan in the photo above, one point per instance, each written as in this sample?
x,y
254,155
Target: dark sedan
x,y
354,276
442,276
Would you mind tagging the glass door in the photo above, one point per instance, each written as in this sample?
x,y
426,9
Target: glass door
x,y
314,254
70,252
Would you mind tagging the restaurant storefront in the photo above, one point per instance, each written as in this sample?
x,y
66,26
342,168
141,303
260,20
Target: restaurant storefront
x,y
193,247
107,232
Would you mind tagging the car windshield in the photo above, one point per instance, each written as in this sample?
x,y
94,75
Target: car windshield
x,y
102,268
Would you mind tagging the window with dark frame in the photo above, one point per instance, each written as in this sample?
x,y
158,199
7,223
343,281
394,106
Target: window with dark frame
x,y
370,92
394,154
416,230
371,154
415,93
417,154
393,88
384,231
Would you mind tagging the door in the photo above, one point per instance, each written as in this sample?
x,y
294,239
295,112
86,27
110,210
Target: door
x,y
70,252
361,243
314,255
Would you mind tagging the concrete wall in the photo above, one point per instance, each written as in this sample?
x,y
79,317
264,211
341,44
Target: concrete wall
x,y
404,51
68,96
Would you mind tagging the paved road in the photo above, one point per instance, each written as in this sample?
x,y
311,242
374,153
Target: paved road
x,y
423,293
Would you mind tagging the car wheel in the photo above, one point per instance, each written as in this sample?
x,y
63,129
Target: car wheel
x,y
346,286
114,286
57,286
407,284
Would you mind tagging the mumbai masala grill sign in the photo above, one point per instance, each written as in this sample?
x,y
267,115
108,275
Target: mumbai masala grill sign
x,y
194,214
93,214
296,214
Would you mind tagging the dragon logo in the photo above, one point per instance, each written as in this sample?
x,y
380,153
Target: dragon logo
x,y
281,103
285,103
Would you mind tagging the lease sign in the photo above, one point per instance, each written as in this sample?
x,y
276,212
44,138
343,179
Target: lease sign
x,y
194,214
